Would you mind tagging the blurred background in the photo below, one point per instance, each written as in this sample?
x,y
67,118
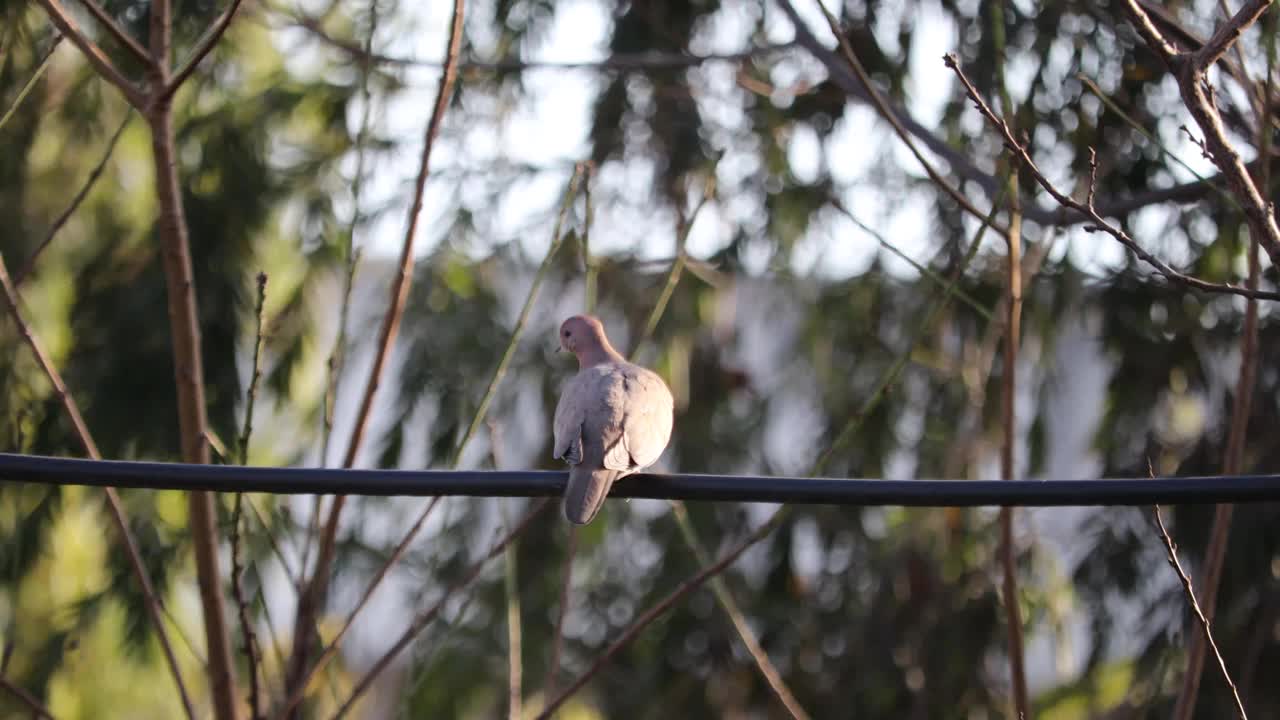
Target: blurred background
x,y
723,133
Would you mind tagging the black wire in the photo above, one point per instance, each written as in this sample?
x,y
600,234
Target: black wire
x,y
538,483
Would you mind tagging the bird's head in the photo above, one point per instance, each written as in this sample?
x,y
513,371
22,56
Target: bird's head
x,y
583,335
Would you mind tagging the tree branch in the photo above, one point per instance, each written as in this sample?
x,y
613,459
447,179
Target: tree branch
x,y
31,81
312,595
1091,212
33,704
29,266
125,39
203,48
662,606
1229,33
1172,553
1197,95
68,27
150,601
423,619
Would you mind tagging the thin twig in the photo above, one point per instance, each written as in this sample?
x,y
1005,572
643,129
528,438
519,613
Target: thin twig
x,y
511,593
33,703
31,82
656,611
29,266
312,595
1099,223
1009,384
854,424
203,48
251,652
721,591
962,445
1190,71
150,600
882,106
736,617
592,272
1229,32
100,62
255,370
423,619
924,270
557,239
337,355
120,35
673,277
1172,551
557,634
1220,532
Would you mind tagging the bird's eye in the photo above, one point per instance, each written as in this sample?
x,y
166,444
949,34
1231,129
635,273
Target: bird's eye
x,y
568,333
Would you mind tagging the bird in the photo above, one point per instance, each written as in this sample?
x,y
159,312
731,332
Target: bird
x,y
614,418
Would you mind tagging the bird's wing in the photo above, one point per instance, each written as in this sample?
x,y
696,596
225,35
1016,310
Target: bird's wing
x,y
569,418
649,417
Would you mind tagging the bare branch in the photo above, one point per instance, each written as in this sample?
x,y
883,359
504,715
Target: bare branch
x,y
33,703
557,635
203,48
1189,69
662,606
739,621
1094,215
1220,532
297,692
150,600
423,619
1172,552
255,371
31,81
125,39
68,27
29,266
253,656
1151,34
312,595
1227,35
873,94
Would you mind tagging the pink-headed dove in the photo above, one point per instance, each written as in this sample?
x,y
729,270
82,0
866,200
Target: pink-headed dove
x,y
614,418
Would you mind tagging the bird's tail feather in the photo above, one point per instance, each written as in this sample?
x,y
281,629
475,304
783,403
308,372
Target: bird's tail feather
x,y
586,492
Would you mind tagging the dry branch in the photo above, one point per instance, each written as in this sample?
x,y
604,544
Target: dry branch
x,y
312,596
1190,71
37,708
150,601
68,27
27,267
1092,213
423,619
1171,551
203,48
657,610
31,81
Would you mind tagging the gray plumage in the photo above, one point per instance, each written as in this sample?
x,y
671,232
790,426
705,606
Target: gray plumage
x,y
614,418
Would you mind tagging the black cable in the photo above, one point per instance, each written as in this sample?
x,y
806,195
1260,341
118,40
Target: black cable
x,y
538,483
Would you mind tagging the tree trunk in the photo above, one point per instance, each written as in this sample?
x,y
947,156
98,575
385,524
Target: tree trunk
x,y
188,373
